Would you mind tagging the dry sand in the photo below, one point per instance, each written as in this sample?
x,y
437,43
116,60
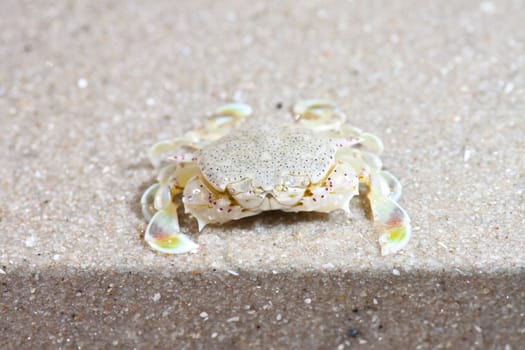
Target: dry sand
x,y
86,88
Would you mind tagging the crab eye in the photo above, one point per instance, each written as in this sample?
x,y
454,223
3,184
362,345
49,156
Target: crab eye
x,y
289,180
242,186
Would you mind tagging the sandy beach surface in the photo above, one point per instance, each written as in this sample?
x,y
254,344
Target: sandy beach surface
x,y
87,87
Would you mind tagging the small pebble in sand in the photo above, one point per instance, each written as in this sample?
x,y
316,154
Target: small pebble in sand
x,y
352,332
82,83
487,7
467,154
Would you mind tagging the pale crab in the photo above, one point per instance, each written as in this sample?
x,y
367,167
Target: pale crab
x,y
228,170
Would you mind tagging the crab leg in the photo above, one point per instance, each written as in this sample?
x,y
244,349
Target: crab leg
x,y
384,191
363,140
158,206
218,124
146,202
165,149
318,115
325,117
227,117
365,164
393,221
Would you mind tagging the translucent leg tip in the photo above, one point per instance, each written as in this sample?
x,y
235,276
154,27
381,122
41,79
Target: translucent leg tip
x,y
394,238
162,234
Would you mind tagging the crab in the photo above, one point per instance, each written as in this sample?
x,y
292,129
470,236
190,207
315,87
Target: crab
x,y
230,169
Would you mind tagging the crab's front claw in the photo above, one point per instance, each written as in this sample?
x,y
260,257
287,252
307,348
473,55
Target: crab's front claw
x,y
163,233
392,220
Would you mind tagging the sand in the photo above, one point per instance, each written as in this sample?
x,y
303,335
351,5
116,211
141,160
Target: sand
x,y
86,88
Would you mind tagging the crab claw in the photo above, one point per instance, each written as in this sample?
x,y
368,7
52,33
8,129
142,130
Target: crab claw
x,y
393,221
163,233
